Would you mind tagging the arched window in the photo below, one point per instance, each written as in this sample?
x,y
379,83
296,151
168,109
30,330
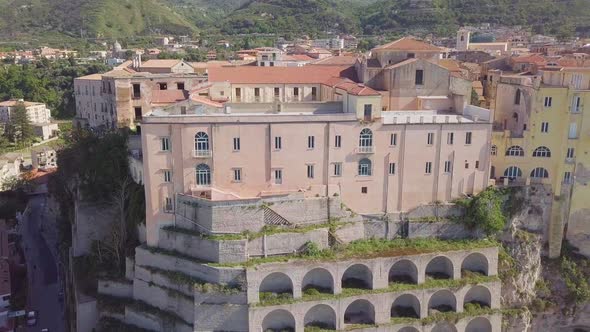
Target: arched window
x,y
365,167
542,151
539,173
201,141
513,172
494,150
515,151
366,138
203,175
517,97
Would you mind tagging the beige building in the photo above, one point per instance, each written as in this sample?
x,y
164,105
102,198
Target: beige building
x,y
316,131
36,112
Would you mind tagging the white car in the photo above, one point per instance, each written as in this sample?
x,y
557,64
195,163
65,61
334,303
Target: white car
x,y
31,318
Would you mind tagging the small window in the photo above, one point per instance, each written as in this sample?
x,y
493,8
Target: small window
x,y
180,86
257,94
364,190
296,92
165,144
428,168
468,137
277,93
391,168
517,97
310,171
411,55
238,94
310,142
236,144
337,169
338,141
237,174
466,164
167,176
477,164
577,106
368,112
567,177
393,140
314,93
365,167
138,113
168,205
450,138
163,86
278,143
136,91
448,166
430,139
548,101
570,153
544,127
278,176
419,77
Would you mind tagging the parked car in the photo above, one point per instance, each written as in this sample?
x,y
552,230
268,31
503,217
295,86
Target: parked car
x,y
31,318
45,330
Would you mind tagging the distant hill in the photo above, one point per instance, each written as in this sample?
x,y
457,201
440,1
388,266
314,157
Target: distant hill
x,y
105,18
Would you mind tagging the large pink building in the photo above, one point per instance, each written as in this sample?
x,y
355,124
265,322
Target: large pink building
x,y
405,137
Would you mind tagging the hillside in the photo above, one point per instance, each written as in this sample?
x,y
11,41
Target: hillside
x,y
105,18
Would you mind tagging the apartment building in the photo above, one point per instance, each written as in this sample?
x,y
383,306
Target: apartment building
x,y
36,112
316,131
121,97
541,136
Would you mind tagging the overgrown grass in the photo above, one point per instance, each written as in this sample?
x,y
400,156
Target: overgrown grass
x,y
373,248
200,285
271,299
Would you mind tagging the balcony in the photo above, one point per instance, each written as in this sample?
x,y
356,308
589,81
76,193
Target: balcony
x,y
202,153
365,150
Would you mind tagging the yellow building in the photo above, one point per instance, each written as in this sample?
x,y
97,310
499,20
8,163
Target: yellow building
x,y
542,135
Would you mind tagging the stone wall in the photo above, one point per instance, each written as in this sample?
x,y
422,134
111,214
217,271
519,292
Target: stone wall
x,y
160,297
441,230
287,243
216,275
152,322
468,324
227,317
159,279
435,210
92,222
202,248
115,288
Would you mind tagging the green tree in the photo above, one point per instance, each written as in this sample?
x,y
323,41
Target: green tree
x,y
484,211
19,128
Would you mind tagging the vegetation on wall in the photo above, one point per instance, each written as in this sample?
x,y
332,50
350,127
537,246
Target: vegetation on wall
x,y
485,211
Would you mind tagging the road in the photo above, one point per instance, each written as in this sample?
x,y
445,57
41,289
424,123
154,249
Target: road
x,y
44,279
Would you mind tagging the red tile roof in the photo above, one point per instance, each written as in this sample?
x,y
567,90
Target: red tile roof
x,y
168,96
409,44
280,75
533,58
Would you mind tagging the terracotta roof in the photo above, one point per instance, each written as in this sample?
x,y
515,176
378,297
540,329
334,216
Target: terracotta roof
x,y
280,75
408,44
298,57
206,101
357,89
168,96
450,64
13,102
403,63
533,58
91,77
337,60
167,63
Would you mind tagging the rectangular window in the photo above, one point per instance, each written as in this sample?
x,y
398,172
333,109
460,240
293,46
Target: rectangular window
x,y
314,93
544,127
310,169
296,92
577,105
419,77
277,93
428,168
368,112
477,164
236,144
237,174
391,168
138,112
136,91
278,176
448,167
573,132
468,137
165,143
570,153
466,164
337,169
364,190
567,177
180,86
257,94
238,94
393,140
163,86
278,143
168,206
430,139
337,141
450,138
310,142
167,176
548,101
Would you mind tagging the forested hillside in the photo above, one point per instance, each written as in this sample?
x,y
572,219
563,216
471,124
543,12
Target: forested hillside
x,y
123,18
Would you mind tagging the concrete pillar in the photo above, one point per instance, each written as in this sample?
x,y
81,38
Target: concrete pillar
x,y
337,285
297,291
456,267
382,310
423,304
421,267
380,276
460,296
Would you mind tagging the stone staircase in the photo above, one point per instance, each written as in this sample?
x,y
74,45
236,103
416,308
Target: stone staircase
x,y
273,218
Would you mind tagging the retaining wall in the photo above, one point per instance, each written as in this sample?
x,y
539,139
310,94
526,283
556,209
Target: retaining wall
x,y
442,230
165,300
115,288
228,317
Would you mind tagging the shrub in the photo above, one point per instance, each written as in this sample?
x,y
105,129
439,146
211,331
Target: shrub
x,y
484,211
575,281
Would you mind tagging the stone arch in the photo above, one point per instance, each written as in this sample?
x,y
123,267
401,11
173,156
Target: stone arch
x,y
404,272
478,295
479,324
319,279
278,320
444,327
442,301
440,267
277,283
475,263
408,329
360,312
357,276
322,316
406,305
